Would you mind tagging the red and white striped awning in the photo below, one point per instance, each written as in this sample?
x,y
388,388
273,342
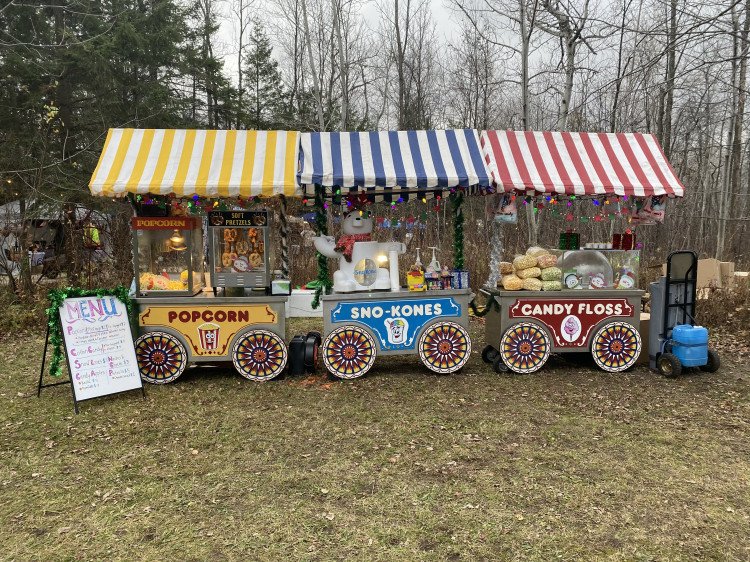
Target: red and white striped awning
x,y
568,163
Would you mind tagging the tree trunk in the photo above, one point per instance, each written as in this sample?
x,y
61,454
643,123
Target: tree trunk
x,y
570,69
525,40
729,165
241,18
619,78
666,140
343,66
316,82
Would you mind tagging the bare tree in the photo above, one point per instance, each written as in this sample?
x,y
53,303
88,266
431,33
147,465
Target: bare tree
x,y
243,13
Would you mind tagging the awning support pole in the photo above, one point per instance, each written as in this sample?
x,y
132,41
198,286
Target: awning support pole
x,y
284,234
456,199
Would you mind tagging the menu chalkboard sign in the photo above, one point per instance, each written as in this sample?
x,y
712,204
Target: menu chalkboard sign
x,y
99,346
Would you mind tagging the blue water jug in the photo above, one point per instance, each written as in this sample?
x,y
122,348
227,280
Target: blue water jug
x,y
690,345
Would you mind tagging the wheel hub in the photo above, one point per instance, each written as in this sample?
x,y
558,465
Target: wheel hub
x,y
260,355
616,346
524,347
445,347
665,366
349,352
158,357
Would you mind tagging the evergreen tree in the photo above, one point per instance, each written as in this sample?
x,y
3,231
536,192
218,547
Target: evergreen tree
x,y
264,95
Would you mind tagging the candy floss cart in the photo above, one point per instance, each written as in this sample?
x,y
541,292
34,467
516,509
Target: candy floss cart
x,y
182,182
374,308
581,296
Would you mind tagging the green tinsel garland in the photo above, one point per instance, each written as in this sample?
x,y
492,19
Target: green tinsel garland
x,y
456,199
321,226
56,299
491,305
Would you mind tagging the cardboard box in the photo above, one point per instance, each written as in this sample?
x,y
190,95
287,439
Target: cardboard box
x,y
709,273
727,274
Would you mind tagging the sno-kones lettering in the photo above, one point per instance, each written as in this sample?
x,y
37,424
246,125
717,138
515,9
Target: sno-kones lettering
x,y
581,308
397,310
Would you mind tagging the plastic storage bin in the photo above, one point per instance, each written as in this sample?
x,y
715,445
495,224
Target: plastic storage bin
x,y
690,345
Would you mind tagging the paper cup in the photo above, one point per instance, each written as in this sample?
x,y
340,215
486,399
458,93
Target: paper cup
x,y
209,336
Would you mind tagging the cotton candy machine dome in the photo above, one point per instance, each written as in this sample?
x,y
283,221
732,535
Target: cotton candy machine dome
x,y
588,264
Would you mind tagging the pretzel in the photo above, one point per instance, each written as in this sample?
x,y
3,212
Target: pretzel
x,y
226,259
242,247
230,235
255,259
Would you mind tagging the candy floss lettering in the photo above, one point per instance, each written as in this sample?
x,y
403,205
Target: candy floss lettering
x,y
548,309
397,311
91,310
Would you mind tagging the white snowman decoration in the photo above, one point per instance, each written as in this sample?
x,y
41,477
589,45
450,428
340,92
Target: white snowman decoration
x,y
359,256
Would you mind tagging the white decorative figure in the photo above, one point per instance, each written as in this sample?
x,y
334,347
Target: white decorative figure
x,y
597,281
626,281
359,256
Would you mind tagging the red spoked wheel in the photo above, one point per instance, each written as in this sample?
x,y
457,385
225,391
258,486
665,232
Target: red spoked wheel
x,y
259,355
349,352
161,357
444,347
524,348
616,347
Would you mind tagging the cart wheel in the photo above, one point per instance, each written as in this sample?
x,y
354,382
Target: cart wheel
x,y
489,354
444,347
669,365
349,352
259,355
161,357
524,348
713,363
499,365
616,347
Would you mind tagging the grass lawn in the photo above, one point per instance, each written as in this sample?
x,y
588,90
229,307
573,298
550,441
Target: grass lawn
x,y
569,463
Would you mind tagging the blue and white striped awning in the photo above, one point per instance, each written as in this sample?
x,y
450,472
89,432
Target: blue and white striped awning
x,y
400,163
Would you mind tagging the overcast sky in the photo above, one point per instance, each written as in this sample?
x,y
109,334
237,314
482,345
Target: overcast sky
x,y
443,16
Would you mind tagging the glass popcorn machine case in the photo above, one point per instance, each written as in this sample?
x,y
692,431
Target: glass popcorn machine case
x,y
168,256
238,249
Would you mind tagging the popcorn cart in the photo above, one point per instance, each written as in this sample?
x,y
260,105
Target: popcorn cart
x,y
371,311
182,319
572,299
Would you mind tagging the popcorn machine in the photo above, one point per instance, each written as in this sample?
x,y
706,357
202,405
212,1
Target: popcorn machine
x,y
168,256
238,249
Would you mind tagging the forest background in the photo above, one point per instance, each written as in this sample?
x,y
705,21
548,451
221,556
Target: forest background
x,y
71,69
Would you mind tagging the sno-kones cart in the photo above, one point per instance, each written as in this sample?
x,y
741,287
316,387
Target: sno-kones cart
x,y
185,314
390,167
601,314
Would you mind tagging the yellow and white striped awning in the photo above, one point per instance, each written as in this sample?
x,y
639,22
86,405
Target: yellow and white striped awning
x,y
190,162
